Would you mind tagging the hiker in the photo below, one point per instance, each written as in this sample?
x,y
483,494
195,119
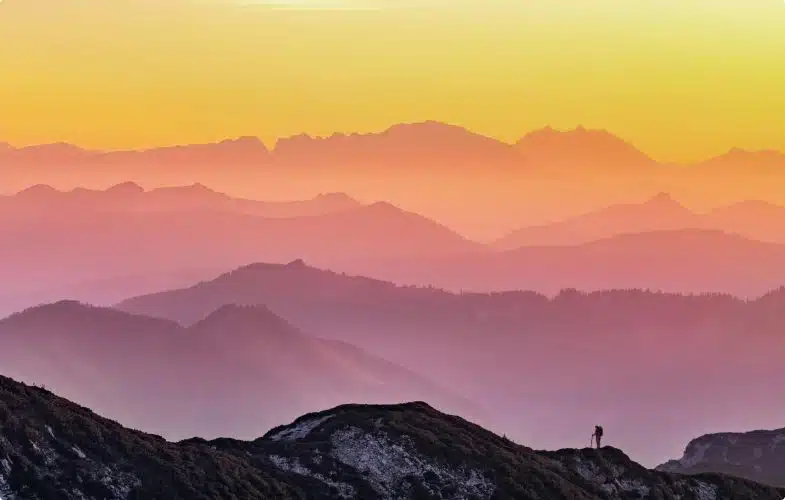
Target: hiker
x,y
597,436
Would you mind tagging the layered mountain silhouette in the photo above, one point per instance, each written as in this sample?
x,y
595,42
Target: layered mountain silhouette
x,y
679,261
56,249
542,366
756,219
196,231
238,371
426,142
737,161
481,186
54,447
756,455
416,146
102,291
129,196
659,213
751,218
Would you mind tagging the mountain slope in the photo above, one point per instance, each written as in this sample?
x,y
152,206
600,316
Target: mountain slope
x,y
676,261
581,152
93,245
278,285
53,447
532,360
754,219
659,213
238,371
757,455
129,196
737,162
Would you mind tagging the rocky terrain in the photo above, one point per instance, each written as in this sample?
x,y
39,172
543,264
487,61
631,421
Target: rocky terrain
x,y
757,455
51,448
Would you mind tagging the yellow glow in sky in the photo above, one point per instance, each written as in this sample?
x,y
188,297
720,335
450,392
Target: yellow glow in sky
x,y
681,79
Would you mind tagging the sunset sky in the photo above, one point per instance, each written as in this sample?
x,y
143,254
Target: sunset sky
x,y
681,79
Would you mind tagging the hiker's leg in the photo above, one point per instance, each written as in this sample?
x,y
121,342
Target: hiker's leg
x,y
599,438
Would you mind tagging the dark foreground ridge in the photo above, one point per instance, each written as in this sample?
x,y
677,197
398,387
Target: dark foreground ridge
x,y
51,448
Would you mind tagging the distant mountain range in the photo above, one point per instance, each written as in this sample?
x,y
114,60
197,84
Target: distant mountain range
x,y
542,367
131,237
239,371
678,261
131,197
478,185
155,236
435,142
54,448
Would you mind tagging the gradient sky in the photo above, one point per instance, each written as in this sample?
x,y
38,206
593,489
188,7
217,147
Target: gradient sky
x,y
681,79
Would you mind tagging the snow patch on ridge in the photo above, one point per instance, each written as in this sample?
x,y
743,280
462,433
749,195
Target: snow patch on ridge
x,y
300,430
389,466
5,488
294,465
695,456
611,481
704,491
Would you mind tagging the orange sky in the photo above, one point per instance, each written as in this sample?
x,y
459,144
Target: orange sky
x,y
681,79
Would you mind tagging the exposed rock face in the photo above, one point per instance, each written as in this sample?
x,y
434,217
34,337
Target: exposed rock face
x,y
53,449
756,455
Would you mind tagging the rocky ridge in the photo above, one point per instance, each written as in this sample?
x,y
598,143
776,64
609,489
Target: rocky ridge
x,y
51,448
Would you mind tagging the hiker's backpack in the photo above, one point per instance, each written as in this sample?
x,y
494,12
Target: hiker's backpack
x,y
598,430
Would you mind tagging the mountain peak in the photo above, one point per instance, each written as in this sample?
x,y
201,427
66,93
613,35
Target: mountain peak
x,y
126,188
334,196
580,146
661,197
237,318
664,200
38,190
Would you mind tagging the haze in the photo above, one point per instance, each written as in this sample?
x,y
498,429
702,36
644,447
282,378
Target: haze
x,y
538,215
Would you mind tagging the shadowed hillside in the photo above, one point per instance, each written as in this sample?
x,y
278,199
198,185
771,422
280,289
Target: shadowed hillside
x,y
54,448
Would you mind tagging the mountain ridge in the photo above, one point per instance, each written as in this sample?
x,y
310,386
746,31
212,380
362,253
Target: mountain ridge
x,y
757,455
254,144
754,219
52,445
237,369
511,351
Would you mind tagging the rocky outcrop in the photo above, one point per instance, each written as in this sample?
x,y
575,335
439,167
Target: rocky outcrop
x,y
757,455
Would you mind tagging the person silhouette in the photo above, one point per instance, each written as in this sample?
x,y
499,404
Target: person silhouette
x,y
597,436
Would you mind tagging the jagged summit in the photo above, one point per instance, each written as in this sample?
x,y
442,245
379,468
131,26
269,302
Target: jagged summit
x,y
661,198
